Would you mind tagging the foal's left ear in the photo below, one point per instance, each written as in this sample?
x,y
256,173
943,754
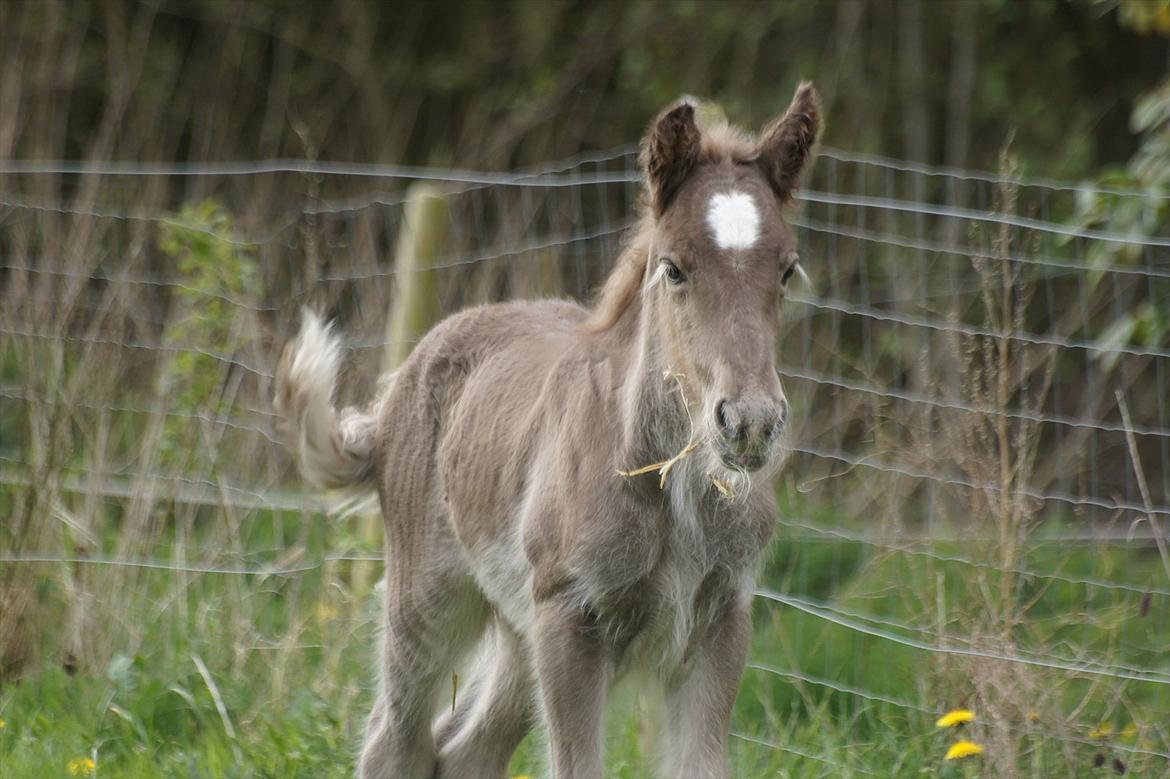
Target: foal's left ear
x,y
786,146
670,153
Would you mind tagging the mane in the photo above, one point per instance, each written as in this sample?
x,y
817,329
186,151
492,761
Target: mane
x,y
624,281
721,142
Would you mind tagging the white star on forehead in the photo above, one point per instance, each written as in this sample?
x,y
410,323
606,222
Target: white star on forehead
x,y
734,220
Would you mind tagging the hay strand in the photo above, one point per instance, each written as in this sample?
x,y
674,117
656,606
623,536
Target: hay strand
x,y
664,467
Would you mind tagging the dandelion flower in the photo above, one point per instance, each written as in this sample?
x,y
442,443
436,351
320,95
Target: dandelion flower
x,y
961,749
81,766
3,724
1104,730
955,717
1129,731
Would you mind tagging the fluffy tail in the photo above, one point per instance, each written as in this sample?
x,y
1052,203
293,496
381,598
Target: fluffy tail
x,y
333,448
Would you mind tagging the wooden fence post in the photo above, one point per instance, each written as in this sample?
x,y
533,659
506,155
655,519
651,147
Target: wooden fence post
x,y
422,240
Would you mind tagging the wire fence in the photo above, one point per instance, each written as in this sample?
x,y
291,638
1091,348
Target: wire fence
x,y
971,348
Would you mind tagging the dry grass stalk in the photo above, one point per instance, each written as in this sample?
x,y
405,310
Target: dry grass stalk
x,y
694,441
996,372
663,468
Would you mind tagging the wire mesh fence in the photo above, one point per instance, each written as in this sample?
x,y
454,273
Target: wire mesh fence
x,y
979,368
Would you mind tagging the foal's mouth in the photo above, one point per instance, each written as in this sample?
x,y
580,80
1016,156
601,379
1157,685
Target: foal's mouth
x,y
748,461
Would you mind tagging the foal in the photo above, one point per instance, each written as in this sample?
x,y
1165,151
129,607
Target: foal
x,y
526,540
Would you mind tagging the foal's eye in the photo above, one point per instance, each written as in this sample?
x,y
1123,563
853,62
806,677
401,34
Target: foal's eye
x,y
793,260
673,274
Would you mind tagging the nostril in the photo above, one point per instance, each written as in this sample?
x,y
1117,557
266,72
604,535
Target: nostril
x,y
779,420
721,418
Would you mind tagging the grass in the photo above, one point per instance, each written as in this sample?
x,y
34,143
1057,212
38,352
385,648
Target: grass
x,y
289,673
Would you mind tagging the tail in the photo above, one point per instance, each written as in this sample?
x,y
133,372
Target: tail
x,y
333,449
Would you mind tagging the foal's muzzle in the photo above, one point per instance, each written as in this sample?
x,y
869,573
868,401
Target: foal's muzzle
x,y
748,430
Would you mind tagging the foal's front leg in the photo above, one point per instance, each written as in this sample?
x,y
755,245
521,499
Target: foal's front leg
x,y
698,704
574,674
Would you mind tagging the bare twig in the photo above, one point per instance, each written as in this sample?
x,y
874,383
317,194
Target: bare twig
x,y
1155,528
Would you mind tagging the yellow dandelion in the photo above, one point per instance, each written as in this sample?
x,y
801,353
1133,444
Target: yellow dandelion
x,y
1104,730
961,749
3,724
955,717
82,766
1129,731
521,776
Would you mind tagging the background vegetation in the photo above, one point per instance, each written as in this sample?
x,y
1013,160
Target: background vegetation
x,y
172,603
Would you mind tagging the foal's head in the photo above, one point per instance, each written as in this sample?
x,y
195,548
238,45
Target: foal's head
x,y
718,262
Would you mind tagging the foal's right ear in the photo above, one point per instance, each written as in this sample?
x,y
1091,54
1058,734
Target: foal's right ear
x,y
670,153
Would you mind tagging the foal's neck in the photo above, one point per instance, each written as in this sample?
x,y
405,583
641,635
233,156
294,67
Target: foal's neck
x,y
652,398
655,393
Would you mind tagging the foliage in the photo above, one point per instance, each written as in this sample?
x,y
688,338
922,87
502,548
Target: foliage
x,y
1134,200
217,271
1148,17
515,82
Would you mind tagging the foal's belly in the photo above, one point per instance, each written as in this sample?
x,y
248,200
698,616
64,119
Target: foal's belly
x,y
505,578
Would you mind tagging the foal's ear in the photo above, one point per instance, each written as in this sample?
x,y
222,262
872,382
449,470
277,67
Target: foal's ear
x,y
786,146
670,153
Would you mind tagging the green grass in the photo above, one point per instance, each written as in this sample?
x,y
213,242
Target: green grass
x,y
289,659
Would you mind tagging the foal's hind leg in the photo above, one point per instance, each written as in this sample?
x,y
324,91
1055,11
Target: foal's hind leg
x,y
477,739
433,615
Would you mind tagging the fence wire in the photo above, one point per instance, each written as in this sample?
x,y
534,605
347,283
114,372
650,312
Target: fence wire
x,y
928,286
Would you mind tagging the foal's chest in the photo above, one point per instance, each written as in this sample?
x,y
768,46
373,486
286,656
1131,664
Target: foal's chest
x,y
707,557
